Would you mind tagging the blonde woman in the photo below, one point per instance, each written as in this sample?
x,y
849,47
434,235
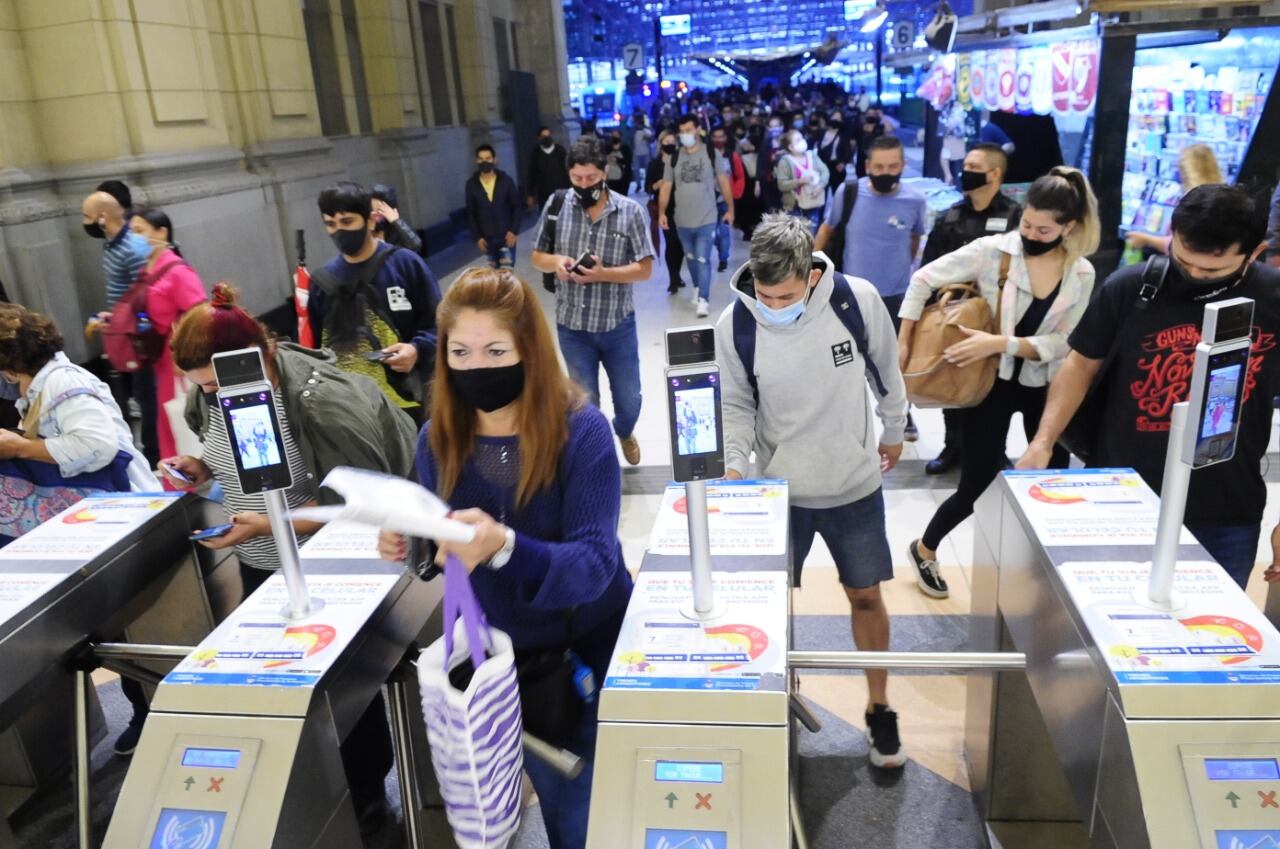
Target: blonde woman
x,y
1197,166
1046,291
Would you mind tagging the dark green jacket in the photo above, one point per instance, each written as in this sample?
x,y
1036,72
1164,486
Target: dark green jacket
x,y
337,418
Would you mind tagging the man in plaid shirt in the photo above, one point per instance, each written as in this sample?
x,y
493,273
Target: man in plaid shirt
x,y
595,313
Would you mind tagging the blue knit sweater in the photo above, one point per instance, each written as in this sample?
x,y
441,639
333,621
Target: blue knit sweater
x,y
567,554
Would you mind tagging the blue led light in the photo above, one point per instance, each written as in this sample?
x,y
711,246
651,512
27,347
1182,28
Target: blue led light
x,y
692,772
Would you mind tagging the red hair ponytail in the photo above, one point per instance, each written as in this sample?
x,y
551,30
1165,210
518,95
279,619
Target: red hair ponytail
x,y
216,327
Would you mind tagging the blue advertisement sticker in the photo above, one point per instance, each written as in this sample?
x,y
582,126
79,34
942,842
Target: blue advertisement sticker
x,y
668,838
1251,839
183,829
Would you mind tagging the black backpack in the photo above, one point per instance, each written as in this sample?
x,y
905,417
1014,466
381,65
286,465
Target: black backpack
x,y
553,215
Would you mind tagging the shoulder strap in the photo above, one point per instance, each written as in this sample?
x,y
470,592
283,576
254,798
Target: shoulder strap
x,y
851,190
553,215
846,308
1153,277
1005,261
379,260
744,343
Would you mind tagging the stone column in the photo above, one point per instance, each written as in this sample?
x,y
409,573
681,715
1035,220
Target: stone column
x,y
540,26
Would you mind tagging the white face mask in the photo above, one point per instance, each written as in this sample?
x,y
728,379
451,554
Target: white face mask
x,y
799,147
688,139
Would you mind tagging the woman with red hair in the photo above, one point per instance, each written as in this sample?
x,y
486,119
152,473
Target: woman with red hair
x,y
328,418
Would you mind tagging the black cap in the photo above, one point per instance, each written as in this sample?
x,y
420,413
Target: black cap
x,y
386,194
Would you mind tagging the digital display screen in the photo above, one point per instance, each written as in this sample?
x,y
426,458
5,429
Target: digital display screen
x,y
1220,401
256,442
212,758
676,24
689,772
254,435
1242,769
696,420
1219,416
682,838
1247,839
178,828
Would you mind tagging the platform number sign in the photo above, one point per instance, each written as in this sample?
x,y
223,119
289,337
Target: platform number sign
x,y
904,35
633,57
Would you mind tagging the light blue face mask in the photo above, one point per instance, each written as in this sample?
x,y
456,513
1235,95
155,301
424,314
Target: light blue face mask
x,y
780,317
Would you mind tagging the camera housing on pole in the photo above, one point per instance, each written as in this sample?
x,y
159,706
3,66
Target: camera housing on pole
x,y
1204,431
697,445
246,401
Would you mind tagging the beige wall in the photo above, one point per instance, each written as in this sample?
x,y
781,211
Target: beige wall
x,y
209,108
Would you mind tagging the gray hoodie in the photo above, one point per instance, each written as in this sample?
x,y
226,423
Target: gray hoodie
x,y
813,426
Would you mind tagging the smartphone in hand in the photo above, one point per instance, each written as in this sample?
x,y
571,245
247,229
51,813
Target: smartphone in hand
x,y
211,533
584,261
377,356
175,474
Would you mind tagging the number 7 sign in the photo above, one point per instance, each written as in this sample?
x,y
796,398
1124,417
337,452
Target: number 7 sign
x,y
633,57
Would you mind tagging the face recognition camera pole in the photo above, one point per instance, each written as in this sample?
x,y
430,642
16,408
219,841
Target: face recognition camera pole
x,y
1203,431
697,447
247,404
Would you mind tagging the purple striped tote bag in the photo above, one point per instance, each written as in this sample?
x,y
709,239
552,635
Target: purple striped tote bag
x,y
473,726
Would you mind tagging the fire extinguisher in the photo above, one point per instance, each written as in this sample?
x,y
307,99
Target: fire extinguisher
x,y
302,294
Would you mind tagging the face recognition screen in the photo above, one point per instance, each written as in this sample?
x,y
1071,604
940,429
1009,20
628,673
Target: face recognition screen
x,y
1242,769
256,441
696,420
1218,423
212,758
1247,839
693,773
179,828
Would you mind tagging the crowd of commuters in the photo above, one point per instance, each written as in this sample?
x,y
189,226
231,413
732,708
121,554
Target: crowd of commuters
x,y
830,296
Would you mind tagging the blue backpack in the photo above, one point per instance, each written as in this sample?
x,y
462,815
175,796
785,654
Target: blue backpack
x,y
846,309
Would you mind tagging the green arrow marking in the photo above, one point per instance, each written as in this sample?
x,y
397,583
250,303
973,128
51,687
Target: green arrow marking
x,y
1233,799
671,800
189,782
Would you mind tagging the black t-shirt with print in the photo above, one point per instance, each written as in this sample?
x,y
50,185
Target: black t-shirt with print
x,y
1152,371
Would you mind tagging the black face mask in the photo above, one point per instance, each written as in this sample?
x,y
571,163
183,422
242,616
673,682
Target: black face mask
x,y
95,231
972,180
669,149
589,196
1031,247
1202,288
885,183
489,389
545,141
485,167
350,242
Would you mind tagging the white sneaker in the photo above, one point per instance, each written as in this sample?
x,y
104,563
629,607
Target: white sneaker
x,y
704,308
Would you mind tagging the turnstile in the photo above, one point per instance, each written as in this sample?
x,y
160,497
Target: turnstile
x,y
241,747
693,746
1133,727
114,562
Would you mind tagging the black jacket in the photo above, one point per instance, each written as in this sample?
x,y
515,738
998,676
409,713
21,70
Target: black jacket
x,y
961,224
493,219
548,172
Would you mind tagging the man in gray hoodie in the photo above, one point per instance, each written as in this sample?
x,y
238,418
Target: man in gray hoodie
x,y
804,411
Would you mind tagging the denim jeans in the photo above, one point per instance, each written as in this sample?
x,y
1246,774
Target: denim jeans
x,y
724,235
1235,547
697,253
813,216
499,255
619,352
566,802
855,535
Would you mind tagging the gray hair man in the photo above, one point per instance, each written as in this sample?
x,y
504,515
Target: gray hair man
x,y
797,353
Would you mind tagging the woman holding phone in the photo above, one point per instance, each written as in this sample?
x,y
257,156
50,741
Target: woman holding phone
x,y
514,447
328,418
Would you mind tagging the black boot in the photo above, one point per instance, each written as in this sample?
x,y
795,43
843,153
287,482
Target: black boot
x,y
946,460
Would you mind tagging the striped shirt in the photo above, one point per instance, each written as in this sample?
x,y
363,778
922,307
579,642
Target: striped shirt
x,y
123,259
260,553
620,236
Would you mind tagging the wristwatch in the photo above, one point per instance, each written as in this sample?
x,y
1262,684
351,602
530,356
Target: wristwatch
x,y
1012,347
498,560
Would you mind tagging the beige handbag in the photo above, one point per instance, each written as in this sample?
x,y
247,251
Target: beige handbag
x,y
931,380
